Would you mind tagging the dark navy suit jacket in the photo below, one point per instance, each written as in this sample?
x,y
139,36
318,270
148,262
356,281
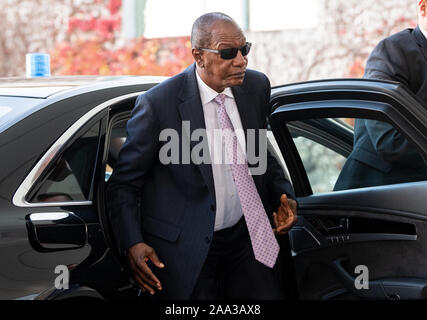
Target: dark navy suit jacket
x,y
172,207
381,155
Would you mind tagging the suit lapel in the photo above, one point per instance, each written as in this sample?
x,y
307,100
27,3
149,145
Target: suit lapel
x,y
249,116
248,113
421,40
190,109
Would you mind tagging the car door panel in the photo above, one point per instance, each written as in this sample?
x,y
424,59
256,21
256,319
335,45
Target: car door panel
x,y
340,239
382,228
62,232
401,199
387,255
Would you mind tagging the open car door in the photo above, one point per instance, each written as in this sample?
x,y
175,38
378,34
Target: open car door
x,y
356,151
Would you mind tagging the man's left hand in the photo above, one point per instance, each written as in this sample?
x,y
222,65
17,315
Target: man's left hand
x,y
286,215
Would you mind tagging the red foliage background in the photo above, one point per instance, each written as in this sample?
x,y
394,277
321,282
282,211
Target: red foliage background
x,y
164,57
91,48
94,44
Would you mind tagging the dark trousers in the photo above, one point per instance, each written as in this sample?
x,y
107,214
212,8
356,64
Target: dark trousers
x,y
231,271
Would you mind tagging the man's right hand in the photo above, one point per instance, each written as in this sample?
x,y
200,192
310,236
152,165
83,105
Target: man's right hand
x,y
138,255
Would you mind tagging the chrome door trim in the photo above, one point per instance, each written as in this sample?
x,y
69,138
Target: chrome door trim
x,y
48,216
29,297
19,198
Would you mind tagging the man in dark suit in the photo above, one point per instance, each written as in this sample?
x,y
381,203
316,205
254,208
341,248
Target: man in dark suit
x,y
381,155
195,230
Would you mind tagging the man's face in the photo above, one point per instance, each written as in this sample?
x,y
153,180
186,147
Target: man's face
x,y
220,73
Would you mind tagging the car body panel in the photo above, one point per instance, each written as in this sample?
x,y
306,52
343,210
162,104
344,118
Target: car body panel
x,y
29,269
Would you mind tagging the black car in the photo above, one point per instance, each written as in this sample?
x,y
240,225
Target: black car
x,y
60,139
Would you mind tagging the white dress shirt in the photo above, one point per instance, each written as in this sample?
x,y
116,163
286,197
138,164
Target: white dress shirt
x,y
228,207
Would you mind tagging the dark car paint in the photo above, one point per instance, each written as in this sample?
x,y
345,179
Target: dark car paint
x,y
24,271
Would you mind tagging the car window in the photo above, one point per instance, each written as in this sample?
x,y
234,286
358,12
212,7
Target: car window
x,y
342,154
70,176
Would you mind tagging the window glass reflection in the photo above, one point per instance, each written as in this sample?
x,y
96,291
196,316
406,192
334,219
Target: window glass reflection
x,y
70,178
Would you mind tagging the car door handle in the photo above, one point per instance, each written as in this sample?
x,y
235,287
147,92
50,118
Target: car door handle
x,y
52,216
56,231
341,228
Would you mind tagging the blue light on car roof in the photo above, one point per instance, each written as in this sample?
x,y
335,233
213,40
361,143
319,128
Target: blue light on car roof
x,y
38,65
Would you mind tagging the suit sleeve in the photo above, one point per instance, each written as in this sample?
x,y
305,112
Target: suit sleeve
x,y
136,158
277,183
388,62
390,144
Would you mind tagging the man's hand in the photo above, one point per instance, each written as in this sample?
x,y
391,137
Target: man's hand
x,y
138,255
286,215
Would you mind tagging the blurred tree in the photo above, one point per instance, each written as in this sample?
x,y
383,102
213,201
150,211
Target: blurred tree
x,y
84,36
95,19
93,46
29,26
139,57
337,47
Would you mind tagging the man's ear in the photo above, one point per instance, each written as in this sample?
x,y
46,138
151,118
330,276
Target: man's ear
x,y
198,57
423,8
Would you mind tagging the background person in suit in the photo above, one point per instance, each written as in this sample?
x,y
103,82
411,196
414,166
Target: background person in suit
x,y
381,155
202,231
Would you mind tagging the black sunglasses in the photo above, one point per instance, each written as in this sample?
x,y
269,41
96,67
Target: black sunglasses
x,y
231,53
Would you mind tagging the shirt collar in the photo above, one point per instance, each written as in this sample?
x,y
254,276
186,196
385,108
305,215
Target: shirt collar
x,y
207,94
424,32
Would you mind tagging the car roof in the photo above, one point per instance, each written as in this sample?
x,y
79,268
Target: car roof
x,y
44,87
20,97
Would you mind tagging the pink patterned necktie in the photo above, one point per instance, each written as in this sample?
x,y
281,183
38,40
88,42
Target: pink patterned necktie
x,y
264,243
